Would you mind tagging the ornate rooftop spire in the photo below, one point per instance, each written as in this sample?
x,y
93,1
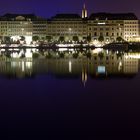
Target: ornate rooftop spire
x,y
84,11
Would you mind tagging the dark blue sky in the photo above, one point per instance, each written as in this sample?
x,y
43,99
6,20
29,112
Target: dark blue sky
x,y
47,8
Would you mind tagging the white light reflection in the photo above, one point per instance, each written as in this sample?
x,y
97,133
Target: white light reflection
x,y
70,66
28,65
28,53
120,66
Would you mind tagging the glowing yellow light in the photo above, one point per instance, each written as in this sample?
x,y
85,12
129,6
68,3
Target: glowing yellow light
x,y
70,67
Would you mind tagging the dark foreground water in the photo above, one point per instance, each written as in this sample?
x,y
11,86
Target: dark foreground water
x,y
70,99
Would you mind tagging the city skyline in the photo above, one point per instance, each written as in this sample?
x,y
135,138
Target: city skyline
x,y
48,9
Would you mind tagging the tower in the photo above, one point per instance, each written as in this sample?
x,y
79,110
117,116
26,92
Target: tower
x,y
84,12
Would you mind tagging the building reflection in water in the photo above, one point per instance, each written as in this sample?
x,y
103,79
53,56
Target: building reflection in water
x,y
102,63
16,69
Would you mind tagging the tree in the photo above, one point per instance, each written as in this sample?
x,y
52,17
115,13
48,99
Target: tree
x,y
35,38
88,54
35,55
75,38
0,37
49,55
22,38
7,39
8,54
119,39
75,55
61,55
48,38
101,38
89,38
43,38
61,38
17,42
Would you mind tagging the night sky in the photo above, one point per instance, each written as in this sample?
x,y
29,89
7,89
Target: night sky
x,y
48,8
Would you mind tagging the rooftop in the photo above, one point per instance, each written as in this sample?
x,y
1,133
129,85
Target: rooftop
x,y
113,16
10,16
66,17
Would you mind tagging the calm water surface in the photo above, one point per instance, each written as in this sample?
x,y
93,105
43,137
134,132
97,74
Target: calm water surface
x,y
70,98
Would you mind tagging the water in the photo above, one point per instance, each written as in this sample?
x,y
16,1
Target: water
x,y
69,98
